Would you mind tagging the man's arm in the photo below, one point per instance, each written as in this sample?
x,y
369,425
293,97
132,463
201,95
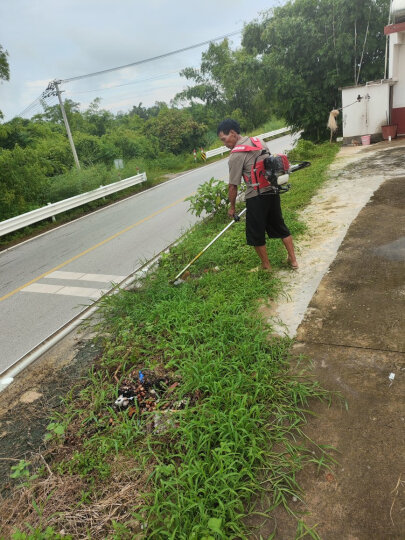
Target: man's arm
x,y
232,193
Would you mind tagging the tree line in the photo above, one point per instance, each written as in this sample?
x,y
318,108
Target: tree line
x,y
291,63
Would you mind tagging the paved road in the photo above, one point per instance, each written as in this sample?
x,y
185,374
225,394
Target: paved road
x,y
47,281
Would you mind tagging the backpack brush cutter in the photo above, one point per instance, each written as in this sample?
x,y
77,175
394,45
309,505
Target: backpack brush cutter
x,y
279,185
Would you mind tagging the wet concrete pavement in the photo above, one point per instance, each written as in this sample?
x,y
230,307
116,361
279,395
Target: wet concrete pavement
x,y
354,333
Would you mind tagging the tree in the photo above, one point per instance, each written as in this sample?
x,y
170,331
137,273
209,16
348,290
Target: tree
x,y
125,143
96,121
310,48
176,130
4,68
228,82
17,195
26,132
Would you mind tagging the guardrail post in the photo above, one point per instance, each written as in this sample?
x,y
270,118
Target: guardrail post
x,y
53,217
100,188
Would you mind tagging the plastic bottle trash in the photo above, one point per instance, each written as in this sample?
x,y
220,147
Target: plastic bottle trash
x,y
123,401
391,376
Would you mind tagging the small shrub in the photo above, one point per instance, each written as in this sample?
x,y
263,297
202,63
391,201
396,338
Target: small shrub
x,y
211,197
305,150
79,181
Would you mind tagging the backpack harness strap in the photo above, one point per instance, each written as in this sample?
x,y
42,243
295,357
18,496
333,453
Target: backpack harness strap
x,y
255,173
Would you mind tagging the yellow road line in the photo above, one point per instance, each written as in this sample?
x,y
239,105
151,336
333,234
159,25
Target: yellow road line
x,y
91,249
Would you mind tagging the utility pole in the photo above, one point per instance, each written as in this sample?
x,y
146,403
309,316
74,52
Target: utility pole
x,y
53,88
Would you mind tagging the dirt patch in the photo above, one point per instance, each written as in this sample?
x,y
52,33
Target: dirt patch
x,y
357,498
35,395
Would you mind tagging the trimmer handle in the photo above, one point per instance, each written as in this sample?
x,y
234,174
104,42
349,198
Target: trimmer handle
x,y
236,217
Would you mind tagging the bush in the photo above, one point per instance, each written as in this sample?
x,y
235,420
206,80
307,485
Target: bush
x,y
175,130
88,147
22,180
305,150
128,144
211,197
79,181
57,153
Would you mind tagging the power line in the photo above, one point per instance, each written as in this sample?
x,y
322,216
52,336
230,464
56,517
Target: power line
x,y
156,77
160,56
133,96
38,103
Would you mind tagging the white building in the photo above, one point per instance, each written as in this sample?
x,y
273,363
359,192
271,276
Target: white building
x,y
378,108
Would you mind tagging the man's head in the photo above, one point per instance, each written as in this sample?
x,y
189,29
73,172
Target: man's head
x,y
229,132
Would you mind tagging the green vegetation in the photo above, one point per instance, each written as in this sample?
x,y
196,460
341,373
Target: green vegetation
x,y
227,427
36,161
291,64
211,197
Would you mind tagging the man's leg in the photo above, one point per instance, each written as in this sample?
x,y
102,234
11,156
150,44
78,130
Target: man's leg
x,y
262,252
255,229
289,246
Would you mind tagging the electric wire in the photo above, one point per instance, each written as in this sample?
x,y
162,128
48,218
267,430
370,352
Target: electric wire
x,y
158,57
38,106
156,77
133,97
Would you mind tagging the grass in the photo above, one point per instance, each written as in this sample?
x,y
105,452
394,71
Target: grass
x,y
238,404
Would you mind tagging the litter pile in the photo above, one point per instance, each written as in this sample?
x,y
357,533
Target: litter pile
x,y
148,393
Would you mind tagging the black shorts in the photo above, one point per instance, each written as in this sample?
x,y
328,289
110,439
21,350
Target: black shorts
x,y
263,215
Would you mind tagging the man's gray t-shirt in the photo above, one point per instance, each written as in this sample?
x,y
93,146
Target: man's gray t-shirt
x,y
240,164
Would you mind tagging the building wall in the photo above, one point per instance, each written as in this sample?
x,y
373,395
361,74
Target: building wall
x,y
397,73
367,116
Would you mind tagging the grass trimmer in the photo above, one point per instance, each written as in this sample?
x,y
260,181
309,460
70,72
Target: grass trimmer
x,y
177,281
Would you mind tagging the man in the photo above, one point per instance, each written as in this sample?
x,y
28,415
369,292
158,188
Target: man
x,y
263,210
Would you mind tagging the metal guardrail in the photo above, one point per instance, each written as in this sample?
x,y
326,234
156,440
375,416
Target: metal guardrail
x,y
221,150
18,222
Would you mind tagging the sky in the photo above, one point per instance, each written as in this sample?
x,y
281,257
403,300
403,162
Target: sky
x,y
61,39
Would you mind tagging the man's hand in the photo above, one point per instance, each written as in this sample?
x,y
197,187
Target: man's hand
x,y
232,193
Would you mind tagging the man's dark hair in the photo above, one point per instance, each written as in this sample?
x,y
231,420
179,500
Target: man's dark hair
x,y
226,125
